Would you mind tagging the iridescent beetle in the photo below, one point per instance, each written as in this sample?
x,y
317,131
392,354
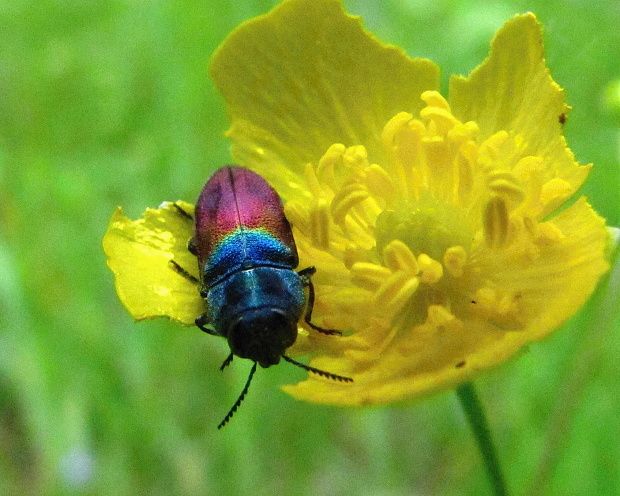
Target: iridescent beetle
x,y
246,255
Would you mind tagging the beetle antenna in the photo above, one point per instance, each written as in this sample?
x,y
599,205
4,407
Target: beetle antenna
x,y
239,399
320,372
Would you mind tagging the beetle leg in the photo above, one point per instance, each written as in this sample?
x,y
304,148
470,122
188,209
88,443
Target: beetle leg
x,y
226,363
305,275
182,272
191,246
203,323
183,212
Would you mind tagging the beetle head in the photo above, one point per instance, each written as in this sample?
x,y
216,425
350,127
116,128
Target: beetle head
x,y
262,335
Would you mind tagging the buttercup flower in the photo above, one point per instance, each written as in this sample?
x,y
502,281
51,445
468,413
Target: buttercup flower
x,y
440,228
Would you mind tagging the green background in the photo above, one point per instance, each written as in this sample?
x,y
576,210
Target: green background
x,y
107,103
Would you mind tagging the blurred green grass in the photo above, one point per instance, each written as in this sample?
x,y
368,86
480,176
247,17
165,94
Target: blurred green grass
x,y
108,103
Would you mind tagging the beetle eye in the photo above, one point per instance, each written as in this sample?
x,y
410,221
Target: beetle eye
x,y
262,335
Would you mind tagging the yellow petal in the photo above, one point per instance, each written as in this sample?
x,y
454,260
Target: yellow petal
x,y
139,253
306,76
512,90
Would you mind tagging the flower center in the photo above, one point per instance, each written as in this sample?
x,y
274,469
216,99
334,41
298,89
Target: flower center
x,y
425,226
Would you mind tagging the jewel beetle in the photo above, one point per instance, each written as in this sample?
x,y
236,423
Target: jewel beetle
x,y
246,260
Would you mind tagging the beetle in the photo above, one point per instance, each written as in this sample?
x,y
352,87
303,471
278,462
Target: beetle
x,y
246,260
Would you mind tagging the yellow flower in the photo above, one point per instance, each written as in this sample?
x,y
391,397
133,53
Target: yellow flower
x,y
435,224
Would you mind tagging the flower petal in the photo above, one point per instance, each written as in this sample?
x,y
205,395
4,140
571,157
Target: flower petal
x,y
306,76
513,90
139,253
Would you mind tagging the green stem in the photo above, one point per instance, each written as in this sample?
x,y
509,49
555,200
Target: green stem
x,y
477,419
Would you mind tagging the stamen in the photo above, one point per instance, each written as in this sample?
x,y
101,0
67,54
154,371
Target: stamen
x,y
397,256
353,253
554,190
369,275
312,181
379,183
325,169
502,307
506,185
496,222
432,270
443,119
395,292
345,200
297,215
408,158
455,260
489,151
403,295
464,174
401,138
438,314
355,156
527,167
439,163
548,234
433,98
319,224
394,125
461,133
485,298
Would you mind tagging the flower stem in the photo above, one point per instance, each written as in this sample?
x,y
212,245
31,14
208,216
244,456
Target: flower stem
x,y
477,419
